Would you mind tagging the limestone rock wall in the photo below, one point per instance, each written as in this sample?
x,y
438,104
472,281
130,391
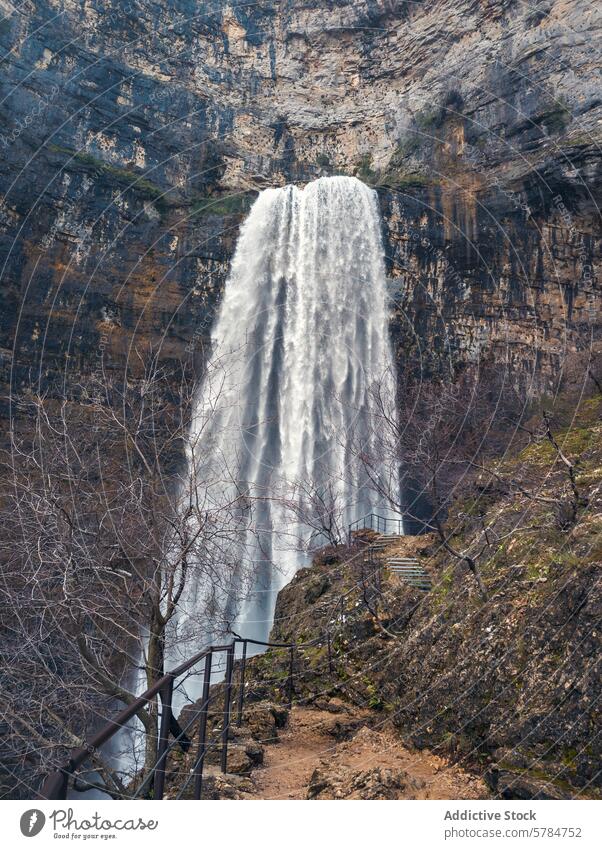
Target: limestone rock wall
x,y
133,135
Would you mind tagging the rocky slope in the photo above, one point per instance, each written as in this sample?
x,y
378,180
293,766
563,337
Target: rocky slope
x,y
134,134
507,686
330,750
400,693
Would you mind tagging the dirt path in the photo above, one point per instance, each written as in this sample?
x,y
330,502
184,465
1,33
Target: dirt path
x,y
372,764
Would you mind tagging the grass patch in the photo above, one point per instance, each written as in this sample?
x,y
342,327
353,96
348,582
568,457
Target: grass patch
x,y
573,442
397,179
236,204
364,171
442,587
123,176
430,118
538,570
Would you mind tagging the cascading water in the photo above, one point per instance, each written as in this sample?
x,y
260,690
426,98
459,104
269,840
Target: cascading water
x,y
301,338
303,334
285,411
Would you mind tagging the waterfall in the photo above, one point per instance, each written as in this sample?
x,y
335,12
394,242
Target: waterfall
x,y
300,339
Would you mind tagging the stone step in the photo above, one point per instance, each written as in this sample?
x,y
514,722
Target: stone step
x,y
413,576
404,559
408,565
409,574
420,578
407,569
421,581
401,565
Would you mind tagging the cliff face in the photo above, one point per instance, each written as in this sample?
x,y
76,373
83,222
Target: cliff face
x,y
133,136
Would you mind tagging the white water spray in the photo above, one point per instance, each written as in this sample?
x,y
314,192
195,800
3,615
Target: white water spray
x,y
301,337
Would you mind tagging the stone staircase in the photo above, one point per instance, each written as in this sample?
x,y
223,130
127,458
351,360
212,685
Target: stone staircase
x,y
408,569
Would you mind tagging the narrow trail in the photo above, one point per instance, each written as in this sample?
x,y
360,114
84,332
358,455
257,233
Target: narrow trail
x,y
312,761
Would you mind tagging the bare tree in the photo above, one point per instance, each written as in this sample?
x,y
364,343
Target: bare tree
x,y
445,435
105,538
566,498
317,506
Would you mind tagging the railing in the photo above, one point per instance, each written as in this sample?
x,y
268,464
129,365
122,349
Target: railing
x,y
56,785
374,522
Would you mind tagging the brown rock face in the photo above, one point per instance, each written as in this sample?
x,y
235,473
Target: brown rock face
x,y
374,783
131,140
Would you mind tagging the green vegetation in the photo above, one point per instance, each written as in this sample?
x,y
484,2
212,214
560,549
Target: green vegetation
x,y
430,118
442,588
573,442
235,204
323,160
583,139
123,176
374,700
394,177
397,179
557,118
364,171
406,147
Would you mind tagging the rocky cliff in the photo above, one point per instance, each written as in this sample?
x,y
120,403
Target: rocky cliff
x,y
134,135
506,686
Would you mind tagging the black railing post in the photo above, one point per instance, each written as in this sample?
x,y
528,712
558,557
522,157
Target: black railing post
x,y
241,683
290,676
166,694
200,758
227,699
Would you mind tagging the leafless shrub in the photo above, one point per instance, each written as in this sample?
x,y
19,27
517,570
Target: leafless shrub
x,y
104,538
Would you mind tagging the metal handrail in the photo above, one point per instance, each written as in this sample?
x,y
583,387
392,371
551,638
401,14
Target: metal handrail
x,y
370,520
56,784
